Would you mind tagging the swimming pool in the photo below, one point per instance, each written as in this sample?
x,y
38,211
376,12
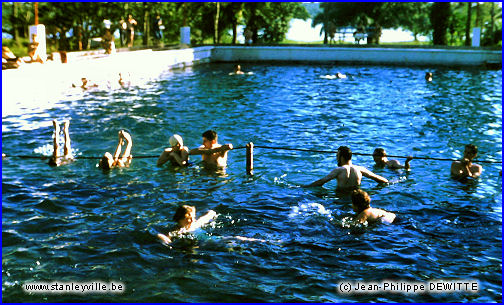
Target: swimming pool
x,y
77,224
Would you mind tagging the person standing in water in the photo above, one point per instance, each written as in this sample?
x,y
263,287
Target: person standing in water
x,y
381,160
212,153
349,176
465,168
178,154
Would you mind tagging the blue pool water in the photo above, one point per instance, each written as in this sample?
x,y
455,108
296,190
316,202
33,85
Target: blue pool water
x,y
77,224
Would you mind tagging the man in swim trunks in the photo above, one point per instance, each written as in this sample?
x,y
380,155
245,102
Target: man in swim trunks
x,y
465,168
380,158
56,159
349,176
212,153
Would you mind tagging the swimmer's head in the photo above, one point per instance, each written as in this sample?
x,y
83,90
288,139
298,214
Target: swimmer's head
x,y
209,138
428,76
345,153
185,215
470,151
176,140
378,155
237,68
106,161
360,200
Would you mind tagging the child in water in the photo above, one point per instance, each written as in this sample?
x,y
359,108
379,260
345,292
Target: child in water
x,y
185,217
360,205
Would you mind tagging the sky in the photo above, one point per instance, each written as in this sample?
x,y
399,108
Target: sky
x,y
301,30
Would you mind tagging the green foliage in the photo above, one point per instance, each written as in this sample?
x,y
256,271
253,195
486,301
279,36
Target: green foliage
x,y
374,16
269,21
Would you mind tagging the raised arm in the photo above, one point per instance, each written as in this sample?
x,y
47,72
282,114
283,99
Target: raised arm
x,y
333,174
210,151
394,164
181,158
129,143
118,148
366,173
209,216
165,156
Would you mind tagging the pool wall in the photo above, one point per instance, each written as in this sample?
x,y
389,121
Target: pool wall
x,y
388,56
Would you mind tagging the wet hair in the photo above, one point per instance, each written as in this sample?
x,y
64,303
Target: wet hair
x,y
360,199
104,164
471,148
379,152
210,135
182,211
345,152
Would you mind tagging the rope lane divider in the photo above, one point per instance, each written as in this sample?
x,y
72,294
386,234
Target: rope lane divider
x,y
366,154
259,146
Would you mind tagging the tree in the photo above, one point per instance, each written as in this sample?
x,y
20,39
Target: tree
x,y
440,17
374,16
468,25
269,21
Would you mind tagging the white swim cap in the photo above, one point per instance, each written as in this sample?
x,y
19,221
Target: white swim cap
x,y
176,139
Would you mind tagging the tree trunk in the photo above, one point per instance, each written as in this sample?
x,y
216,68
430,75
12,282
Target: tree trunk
x,y
478,16
468,25
146,27
216,24
235,30
492,20
15,10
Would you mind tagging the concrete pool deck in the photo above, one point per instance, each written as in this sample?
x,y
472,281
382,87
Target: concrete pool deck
x,y
38,81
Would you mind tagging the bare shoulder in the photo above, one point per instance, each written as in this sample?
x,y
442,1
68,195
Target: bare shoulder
x,y
394,164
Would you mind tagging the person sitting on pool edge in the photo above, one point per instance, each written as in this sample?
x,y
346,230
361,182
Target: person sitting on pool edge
x,y
349,176
465,168
108,161
178,154
380,158
361,206
185,217
56,159
212,153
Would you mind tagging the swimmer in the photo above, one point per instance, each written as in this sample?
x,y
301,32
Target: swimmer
x,y
178,154
360,205
86,84
185,217
465,168
122,82
349,176
428,76
108,161
238,70
212,153
56,159
380,158
340,75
